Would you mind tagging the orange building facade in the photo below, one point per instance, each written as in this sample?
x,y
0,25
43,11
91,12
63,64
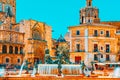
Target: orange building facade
x,y
19,41
93,40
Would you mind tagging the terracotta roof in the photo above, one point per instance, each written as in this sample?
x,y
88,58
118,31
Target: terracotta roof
x,y
94,24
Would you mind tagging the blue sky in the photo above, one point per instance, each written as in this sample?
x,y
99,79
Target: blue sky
x,y
60,14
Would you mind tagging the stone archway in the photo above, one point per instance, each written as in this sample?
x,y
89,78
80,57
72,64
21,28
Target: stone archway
x,y
40,52
7,60
36,35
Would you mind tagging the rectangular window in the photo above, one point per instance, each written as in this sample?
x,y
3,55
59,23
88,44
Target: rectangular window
x,y
95,47
18,60
95,57
101,48
101,55
107,48
107,34
95,33
107,58
78,47
77,32
101,32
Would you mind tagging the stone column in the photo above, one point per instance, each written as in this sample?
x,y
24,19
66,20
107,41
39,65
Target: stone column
x,y
13,49
18,49
7,48
0,48
86,40
70,37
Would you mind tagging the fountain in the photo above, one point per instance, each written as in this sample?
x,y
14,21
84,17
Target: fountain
x,y
56,68
21,69
34,72
52,69
116,73
87,72
2,72
59,67
24,65
34,69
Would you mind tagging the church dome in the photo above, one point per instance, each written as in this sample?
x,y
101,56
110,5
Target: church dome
x,y
61,39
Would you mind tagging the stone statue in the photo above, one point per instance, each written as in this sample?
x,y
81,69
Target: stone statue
x,y
48,59
47,51
40,62
26,66
59,64
36,65
82,66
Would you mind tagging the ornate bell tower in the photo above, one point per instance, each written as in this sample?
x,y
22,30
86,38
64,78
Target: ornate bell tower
x,y
89,2
89,14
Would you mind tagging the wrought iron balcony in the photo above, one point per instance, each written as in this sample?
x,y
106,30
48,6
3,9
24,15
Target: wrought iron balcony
x,y
107,35
95,50
79,50
95,35
107,51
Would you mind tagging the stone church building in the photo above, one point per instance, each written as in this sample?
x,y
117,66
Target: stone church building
x,y
19,41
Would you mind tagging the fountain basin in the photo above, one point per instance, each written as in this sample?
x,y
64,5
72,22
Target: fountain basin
x,y
52,69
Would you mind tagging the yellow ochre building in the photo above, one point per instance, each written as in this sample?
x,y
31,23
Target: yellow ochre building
x,y
93,40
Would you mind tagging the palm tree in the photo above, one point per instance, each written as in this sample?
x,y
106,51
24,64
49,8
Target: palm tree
x,y
63,57
64,52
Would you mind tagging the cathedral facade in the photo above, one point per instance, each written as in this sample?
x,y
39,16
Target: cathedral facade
x,y
24,40
93,40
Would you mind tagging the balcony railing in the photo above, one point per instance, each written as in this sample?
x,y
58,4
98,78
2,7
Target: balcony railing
x,y
107,51
14,42
12,53
95,50
107,35
79,50
95,35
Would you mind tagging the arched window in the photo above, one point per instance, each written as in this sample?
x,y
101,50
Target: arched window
x,y
7,60
16,50
36,35
77,32
18,60
10,49
4,49
21,50
95,16
89,3
88,20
